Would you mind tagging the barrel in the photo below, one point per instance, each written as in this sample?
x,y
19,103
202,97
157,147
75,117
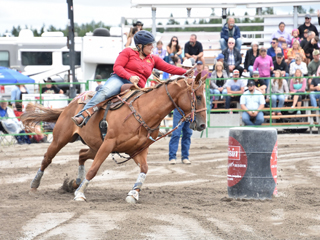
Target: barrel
x,y
252,163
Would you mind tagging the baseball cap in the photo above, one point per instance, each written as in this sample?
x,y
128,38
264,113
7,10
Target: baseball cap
x,y
199,63
316,52
306,31
255,73
279,55
220,56
236,71
308,16
251,83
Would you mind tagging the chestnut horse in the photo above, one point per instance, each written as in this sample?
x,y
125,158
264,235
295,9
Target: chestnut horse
x,y
130,129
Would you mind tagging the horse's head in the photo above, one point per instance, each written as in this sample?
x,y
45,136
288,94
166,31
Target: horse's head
x,y
194,102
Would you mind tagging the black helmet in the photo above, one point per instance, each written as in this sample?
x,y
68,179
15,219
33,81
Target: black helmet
x,y
143,37
251,83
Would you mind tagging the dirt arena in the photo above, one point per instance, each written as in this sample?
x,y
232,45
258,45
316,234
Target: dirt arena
x,y
177,202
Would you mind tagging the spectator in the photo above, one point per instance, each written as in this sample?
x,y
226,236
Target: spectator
x,y
16,95
296,49
272,50
251,56
206,68
235,87
314,65
281,35
220,58
295,36
307,25
310,47
193,49
230,30
279,89
281,65
130,38
285,51
100,85
176,62
298,64
159,51
278,50
297,85
9,124
200,69
252,101
139,25
186,132
315,94
260,84
232,57
174,49
50,89
264,64
218,84
304,40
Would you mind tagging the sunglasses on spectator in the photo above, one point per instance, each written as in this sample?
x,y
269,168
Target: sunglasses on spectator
x,y
230,42
174,40
273,42
307,18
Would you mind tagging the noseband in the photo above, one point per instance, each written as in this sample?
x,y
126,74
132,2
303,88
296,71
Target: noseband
x,y
189,116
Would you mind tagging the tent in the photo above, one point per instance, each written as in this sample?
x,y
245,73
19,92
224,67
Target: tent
x,y
9,76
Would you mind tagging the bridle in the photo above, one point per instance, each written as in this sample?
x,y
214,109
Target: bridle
x,y
191,115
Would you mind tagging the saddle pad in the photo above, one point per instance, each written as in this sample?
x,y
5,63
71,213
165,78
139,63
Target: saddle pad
x,y
85,97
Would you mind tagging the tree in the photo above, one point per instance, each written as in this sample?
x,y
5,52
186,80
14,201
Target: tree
x,y
301,10
173,22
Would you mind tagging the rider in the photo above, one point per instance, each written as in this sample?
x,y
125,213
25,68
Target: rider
x,y
133,65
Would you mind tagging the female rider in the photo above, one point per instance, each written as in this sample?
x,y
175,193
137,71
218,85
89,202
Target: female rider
x,y
133,65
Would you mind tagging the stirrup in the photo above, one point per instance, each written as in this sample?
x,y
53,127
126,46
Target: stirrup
x,y
79,124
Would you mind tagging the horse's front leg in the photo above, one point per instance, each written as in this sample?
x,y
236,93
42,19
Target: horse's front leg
x,y
141,160
103,152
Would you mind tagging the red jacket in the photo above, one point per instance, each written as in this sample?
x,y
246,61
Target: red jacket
x,y
129,64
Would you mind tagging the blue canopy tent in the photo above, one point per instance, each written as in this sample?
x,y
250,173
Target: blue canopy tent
x,y
9,76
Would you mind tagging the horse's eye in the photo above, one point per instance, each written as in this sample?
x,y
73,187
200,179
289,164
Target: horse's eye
x,y
198,98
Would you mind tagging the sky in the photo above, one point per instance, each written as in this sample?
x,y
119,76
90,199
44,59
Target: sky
x,y
35,13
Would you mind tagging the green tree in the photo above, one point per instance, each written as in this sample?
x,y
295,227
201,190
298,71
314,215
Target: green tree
x,y
173,22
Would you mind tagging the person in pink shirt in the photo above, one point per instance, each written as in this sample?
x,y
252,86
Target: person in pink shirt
x,y
264,65
133,65
297,85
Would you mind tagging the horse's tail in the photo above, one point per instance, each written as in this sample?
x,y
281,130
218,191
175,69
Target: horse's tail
x,y
36,113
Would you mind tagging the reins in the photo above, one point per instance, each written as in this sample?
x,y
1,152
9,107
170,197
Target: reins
x,y
151,130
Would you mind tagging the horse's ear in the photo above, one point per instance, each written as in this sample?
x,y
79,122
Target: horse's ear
x,y
198,77
204,77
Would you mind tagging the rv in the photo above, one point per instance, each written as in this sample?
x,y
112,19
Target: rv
x,y
39,57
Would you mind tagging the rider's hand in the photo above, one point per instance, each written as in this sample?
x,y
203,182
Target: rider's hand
x,y
134,79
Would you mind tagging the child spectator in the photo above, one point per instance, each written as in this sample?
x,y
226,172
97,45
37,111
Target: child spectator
x,y
297,85
159,51
295,36
284,47
278,86
206,68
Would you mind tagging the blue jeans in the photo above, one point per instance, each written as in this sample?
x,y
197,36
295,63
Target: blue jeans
x,y
223,44
111,87
258,119
274,99
186,137
313,98
216,91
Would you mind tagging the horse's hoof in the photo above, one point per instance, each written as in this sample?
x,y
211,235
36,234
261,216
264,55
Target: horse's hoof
x,y
75,185
79,199
131,200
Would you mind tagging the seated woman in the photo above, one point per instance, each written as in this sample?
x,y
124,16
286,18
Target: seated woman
x,y
133,65
174,49
298,64
278,86
296,49
217,85
251,56
297,85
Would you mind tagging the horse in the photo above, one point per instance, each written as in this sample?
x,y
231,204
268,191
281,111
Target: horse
x,y
131,129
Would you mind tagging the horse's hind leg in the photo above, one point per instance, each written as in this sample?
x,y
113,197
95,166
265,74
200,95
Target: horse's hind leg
x,y
84,155
141,160
52,150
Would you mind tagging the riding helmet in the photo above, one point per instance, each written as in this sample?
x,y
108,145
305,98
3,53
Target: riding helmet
x,y
143,37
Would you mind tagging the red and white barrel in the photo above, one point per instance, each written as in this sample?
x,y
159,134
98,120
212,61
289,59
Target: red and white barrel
x,y
252,163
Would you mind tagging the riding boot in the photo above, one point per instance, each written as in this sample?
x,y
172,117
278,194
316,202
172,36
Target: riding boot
x,y
83,118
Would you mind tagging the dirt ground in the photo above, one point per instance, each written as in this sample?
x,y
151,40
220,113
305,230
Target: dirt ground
x,y
176,202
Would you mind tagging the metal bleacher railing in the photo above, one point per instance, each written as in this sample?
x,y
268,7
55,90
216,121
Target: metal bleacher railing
x,y
308,116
